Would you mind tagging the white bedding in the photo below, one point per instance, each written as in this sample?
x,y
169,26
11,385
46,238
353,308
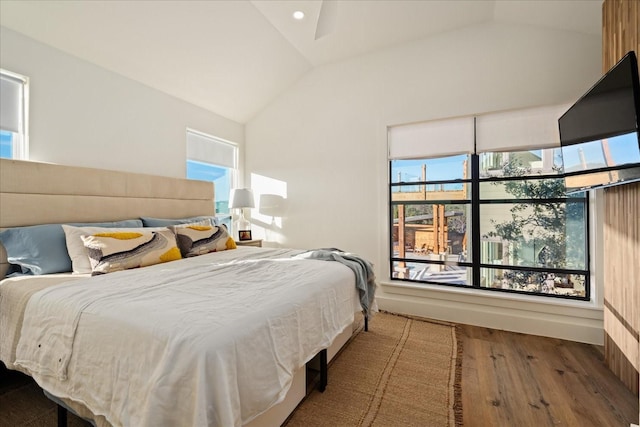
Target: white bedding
x,y
207,341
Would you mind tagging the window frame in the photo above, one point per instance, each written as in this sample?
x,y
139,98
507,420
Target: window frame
x,y
224,217
20,148
475,201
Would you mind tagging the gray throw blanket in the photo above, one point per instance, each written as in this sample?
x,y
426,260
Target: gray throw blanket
x,y
363,269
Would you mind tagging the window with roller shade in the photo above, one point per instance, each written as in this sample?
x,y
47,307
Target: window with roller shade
x,y
479,202
213,159
13,115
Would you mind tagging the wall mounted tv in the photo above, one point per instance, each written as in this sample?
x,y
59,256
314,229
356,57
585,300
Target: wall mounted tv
x,y
599,134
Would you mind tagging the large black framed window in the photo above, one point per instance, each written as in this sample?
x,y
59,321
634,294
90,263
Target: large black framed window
x,y
496,221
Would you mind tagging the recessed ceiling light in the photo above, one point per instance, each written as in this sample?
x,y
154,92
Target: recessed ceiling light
x,y
298,14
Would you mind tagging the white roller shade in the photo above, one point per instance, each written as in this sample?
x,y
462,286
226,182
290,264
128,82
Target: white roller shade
x,y
524,129
206,149
431,139
11,104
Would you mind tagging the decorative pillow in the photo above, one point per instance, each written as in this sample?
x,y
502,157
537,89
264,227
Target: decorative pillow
x,y
160,222
41,249
115,251
78,252
197,239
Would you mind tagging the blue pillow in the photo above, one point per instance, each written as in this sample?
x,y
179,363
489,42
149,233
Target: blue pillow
x,y
161,222
42,249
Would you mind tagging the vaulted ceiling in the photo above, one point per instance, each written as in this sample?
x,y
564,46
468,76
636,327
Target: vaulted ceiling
x,y
234,57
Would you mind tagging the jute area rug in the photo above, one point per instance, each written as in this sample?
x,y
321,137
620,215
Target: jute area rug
x,y
402,372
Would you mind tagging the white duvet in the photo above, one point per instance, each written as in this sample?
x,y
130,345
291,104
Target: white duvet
x,y
207,341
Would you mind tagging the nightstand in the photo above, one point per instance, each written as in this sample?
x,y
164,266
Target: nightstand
x,y
254,242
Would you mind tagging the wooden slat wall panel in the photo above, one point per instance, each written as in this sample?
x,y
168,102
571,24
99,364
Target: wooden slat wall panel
x,y
622,281
620,30
620,34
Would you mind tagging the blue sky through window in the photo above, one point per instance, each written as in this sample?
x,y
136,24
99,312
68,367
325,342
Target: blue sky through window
x,y
444,168
220,176
6,144
623,149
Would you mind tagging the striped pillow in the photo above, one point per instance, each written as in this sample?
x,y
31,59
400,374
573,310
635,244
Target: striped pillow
x,y
115,251
197,239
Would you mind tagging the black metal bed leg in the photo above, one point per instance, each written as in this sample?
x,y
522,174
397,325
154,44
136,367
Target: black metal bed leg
x,y
62,416
323,371
366,323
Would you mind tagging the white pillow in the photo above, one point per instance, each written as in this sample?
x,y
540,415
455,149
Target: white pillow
x,y
79,255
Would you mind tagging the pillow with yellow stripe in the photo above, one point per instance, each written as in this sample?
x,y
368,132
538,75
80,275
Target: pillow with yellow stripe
x,y
197,239
115,251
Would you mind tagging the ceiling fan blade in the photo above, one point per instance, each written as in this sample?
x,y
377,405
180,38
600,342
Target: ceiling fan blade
x,y
327,18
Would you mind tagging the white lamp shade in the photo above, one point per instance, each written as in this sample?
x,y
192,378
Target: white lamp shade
x,y
241,198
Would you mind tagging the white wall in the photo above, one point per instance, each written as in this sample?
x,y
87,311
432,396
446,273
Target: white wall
x,y
323,145
84,115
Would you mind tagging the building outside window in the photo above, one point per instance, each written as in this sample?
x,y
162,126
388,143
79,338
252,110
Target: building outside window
x,y
216,160
497,221
14,106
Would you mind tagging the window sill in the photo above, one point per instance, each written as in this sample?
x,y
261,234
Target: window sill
x,y
581,321
497,299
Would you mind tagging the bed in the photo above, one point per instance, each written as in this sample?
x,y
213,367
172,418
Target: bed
x,y
219,339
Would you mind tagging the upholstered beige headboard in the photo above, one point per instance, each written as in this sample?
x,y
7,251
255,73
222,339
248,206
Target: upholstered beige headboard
x,y
41,193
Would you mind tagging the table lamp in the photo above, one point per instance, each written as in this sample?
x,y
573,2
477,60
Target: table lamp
x,y
241,198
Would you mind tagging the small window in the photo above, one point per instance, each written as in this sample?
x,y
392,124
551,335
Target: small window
x,y
13,115
213,159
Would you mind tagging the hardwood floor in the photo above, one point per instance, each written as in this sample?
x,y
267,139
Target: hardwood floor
x,y
511,379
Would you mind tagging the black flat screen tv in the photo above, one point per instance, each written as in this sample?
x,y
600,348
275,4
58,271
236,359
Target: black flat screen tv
x,y
599,134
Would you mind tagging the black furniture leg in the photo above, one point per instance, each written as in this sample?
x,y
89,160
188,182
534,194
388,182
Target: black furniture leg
x,y
62,416
366,323
323,371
